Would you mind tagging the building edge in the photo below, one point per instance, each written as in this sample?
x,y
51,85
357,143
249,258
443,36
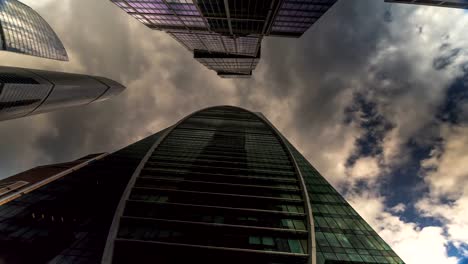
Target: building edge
x,y
310,219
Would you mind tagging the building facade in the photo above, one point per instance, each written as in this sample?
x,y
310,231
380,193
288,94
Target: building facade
x,y
445,3
220,186
13,187
25,92
227,34
67,220
23,30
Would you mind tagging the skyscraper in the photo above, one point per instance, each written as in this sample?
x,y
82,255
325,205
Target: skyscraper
x,y
25,92
445,3
220,186
22,30
226,35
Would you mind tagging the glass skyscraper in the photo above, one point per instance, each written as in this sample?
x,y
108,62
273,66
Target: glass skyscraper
x,y
22,30
25,92
226,35
444,3
220,186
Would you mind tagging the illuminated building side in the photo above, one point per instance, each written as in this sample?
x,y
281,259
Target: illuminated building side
x,y
23,30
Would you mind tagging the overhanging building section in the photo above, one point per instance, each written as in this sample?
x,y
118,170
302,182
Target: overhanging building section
x,y
227,26
216,43
227,65
448,3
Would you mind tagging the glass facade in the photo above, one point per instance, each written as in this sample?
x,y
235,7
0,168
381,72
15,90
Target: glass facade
x,y
295,17
225,64
25,92
24,31
233,27
445,3
220,186
217,43
342,236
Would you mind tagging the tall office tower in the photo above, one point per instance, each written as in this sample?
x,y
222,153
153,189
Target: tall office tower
x,y
445,3
220,186
226,35
25,92
22,30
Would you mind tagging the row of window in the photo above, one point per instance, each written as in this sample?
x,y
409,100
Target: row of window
x,y
220,163
216,200
197,237
226,177
341,223
221,169
323,256
270,140
218,188
233,181
338,210
326,198
190,213
227,158
254,154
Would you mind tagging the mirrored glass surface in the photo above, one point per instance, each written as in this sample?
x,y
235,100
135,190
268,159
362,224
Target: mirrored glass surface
x,y
24,31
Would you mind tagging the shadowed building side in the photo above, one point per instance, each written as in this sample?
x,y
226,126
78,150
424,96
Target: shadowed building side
x,y
27,181
61,213
23,30
25,92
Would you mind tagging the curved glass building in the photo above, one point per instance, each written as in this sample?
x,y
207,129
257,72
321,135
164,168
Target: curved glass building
x,y
23,30
25,92
220,186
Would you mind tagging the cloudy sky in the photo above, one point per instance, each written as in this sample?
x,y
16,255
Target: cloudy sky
x,y
375,95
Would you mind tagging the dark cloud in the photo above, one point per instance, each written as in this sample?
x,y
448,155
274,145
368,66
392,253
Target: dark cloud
x,y
365,112
446,59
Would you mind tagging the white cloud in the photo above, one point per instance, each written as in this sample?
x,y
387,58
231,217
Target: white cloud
x,y
453,216
447,168
446,173
413,244
366,168
399,208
